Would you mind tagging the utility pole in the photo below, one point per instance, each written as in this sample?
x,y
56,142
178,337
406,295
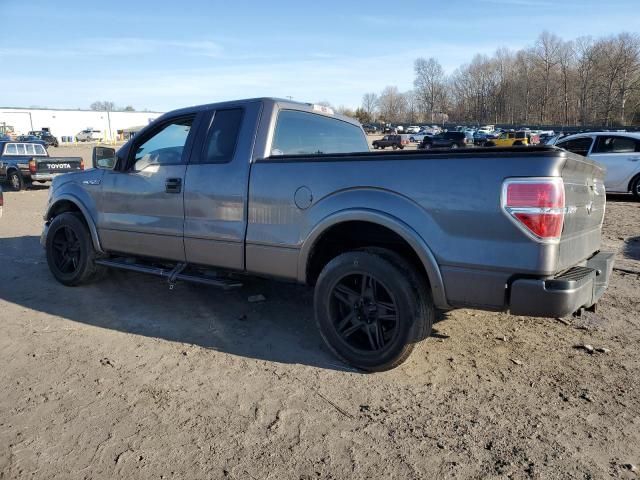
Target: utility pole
x,y
109,122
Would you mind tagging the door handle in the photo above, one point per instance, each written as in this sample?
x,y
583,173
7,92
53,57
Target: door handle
x,y
633,159
173,185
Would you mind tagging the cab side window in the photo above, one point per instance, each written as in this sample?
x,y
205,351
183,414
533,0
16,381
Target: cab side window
x,y
165,147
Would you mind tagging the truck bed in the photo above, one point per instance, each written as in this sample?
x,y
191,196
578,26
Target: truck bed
x,y
451,198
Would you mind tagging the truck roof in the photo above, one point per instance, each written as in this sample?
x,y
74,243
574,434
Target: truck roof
x,y
280,103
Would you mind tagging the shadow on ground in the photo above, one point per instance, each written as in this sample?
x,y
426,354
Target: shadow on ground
x,y
280,329
632,248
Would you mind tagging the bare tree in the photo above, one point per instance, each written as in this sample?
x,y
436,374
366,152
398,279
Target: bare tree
x,y
585,56
369,104
103,106
547,58
585,82
392,105
566,56
429,85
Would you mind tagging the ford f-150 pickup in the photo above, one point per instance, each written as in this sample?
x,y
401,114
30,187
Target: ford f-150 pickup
x,y
24,162
289,190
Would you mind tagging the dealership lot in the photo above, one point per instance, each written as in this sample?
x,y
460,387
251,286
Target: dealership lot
x,y
127,378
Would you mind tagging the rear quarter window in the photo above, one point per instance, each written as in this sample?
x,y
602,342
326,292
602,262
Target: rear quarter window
x,y
580,146
303,133
222,137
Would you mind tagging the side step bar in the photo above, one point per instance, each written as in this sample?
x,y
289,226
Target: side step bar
x,y
171,274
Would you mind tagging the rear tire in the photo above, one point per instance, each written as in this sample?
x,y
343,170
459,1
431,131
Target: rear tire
x,y
16,180
70,253
370,310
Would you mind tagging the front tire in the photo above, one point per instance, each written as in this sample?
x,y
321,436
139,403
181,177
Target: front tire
x,y
69,249
370,310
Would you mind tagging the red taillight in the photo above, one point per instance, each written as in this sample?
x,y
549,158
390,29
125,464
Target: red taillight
x,y
32,166
82,164
542,194
536,206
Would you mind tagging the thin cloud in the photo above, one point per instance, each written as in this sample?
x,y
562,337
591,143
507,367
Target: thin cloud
x,y
124,46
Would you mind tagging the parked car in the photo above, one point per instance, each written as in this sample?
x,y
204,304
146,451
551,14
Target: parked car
x,y
509,139
89,135
618,152
30,139
446,140
370,129
419,137
412,129
393,141
1,201
384,238
22,163
46,136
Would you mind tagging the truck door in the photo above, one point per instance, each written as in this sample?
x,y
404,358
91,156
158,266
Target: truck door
x,y
142,205
216,187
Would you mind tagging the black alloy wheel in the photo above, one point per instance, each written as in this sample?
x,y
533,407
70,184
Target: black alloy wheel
x,y
363,312
66,250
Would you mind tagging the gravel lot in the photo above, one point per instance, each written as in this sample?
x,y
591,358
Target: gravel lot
x,y
126,379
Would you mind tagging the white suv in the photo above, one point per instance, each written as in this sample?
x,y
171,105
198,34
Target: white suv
x,y
619,152
89,135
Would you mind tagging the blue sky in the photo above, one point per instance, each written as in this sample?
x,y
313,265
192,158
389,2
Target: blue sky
x,y
162,54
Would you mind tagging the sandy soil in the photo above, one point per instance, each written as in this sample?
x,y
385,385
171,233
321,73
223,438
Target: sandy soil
x,y
126,379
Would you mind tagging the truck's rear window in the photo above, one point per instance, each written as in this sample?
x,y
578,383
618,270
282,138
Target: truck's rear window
x,y
300,133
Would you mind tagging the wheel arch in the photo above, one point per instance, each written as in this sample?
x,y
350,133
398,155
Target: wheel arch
x,y
381,219
70,203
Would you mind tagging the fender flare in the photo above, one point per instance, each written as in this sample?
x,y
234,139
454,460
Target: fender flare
x,y
85,213
394,224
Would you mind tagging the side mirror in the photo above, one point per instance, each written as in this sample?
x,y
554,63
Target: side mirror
x,y
104,158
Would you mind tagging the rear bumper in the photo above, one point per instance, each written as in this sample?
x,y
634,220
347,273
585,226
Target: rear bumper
x,y
48,176
579,287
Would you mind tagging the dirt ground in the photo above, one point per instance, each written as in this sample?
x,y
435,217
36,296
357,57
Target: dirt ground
x,y
126,379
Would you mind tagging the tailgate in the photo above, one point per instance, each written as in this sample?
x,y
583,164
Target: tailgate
x,y
58,164
585,201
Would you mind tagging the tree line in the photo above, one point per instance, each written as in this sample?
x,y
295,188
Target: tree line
x,y
584,82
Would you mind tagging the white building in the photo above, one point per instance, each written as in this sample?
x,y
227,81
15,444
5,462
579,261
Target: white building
x,y
68,123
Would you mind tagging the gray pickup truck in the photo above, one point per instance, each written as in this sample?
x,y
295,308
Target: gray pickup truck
x,y
289,190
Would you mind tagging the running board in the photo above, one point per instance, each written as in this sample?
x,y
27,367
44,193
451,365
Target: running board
x,y
172,274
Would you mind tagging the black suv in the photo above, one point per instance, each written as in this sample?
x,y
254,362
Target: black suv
x,y
394,141
44,135
445,140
